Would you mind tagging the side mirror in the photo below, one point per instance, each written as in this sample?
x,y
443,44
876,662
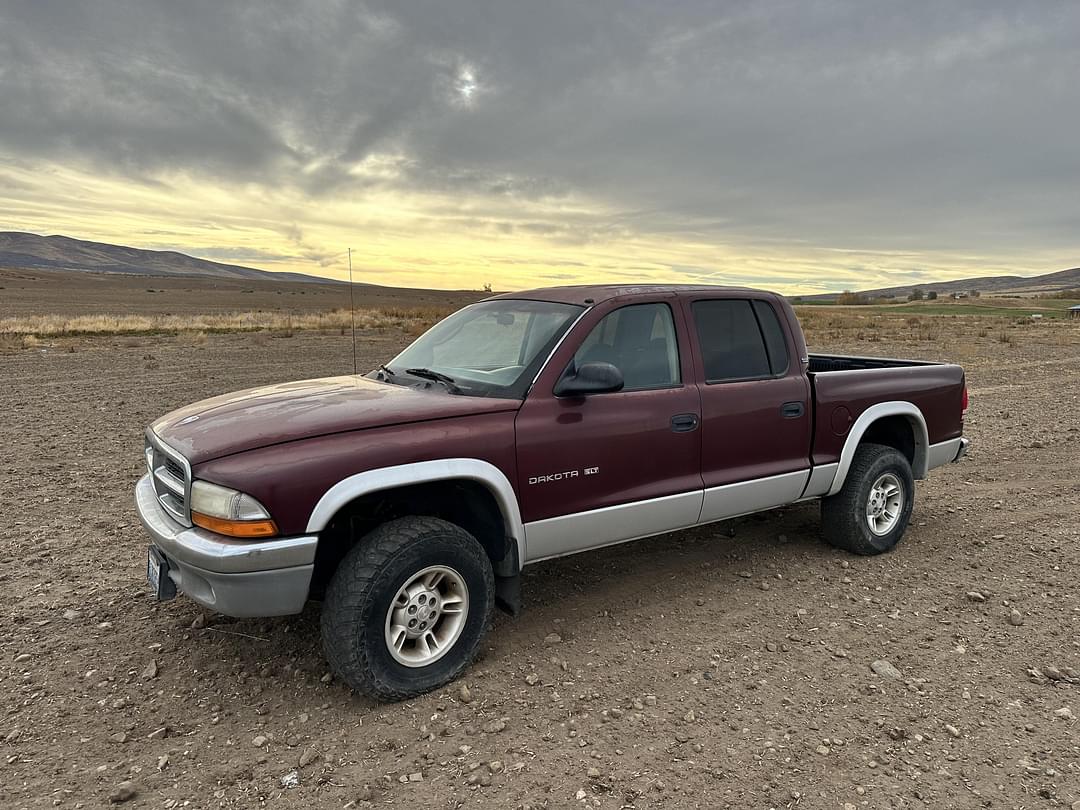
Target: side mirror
x,y
590,378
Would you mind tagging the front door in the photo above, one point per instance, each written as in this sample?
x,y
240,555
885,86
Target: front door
x,y
603,468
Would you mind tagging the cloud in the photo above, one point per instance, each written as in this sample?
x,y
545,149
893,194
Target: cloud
x,y
920,134
231,254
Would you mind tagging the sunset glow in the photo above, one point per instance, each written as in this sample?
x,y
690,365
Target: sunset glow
x,y
688,143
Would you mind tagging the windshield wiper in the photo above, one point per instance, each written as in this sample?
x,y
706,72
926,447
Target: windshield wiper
x,y
384,373
428,374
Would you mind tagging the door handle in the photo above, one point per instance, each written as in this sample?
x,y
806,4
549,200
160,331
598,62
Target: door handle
x,y
792,410
684,422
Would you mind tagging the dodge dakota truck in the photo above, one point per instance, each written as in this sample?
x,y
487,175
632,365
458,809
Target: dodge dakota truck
x,y
521,428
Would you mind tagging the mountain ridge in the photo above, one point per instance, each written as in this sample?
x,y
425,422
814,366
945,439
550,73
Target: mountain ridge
x,y
1054,282
20,249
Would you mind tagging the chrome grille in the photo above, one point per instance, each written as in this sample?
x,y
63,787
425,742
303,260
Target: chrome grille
x,y
174,469
171,476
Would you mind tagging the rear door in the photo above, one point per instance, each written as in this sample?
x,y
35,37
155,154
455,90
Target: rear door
x,y
598,469
755,405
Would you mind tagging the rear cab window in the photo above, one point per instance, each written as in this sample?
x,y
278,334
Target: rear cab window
x,y
740,339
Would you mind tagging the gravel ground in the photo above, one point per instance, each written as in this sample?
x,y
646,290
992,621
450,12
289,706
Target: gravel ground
x,y
742,665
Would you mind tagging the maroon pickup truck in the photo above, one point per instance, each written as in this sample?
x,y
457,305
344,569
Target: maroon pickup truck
x,y
524,427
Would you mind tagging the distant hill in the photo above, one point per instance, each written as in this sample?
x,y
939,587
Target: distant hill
x,y
994,285
28,250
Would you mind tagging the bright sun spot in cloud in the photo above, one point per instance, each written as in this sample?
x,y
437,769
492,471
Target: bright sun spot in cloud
x,y
466,84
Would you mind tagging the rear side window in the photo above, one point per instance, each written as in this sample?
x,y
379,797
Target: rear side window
x,y
734,345
775,343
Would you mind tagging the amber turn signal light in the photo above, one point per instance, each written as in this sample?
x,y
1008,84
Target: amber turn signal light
x,y
235,528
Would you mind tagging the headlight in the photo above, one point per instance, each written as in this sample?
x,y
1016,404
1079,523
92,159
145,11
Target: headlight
x,y
229,512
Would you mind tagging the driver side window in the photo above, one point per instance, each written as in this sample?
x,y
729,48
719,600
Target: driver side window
x,y
640,341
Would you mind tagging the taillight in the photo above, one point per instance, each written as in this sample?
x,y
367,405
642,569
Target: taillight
x,y
964,401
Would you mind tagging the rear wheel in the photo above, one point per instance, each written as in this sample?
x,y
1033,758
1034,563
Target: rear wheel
x,y
870,513
406,608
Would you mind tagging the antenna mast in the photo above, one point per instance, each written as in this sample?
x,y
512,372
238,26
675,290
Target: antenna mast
x,y
352,309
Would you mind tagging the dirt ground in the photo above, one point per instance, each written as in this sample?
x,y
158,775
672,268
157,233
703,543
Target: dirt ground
x,y
722,667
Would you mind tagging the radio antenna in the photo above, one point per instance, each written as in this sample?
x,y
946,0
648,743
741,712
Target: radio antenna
x,y
352,312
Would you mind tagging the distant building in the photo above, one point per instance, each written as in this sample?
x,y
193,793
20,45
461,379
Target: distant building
x,y
1074,312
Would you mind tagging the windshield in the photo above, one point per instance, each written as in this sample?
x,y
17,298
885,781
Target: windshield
x,y
494,348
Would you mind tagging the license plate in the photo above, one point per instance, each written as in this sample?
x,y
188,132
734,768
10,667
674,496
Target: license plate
x,y
157,574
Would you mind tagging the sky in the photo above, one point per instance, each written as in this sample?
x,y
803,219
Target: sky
x,y
800,145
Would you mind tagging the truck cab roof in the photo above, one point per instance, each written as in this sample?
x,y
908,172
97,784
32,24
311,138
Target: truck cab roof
x,y
596,293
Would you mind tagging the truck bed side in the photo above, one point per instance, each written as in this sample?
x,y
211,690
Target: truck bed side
x,y
841,396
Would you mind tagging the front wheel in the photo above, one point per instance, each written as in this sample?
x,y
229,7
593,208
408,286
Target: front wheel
x,y
406,608
871,511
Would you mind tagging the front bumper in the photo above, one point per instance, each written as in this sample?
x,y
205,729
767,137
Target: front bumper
x,y
239,578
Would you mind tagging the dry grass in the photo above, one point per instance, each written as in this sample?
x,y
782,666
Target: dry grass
x,y
193,338
824,326
412,320
11,343
845,325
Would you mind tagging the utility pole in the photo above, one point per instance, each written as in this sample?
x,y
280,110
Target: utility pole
x,y
352,309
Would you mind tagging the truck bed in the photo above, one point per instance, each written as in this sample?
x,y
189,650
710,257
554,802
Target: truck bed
x,y
843,387
843,362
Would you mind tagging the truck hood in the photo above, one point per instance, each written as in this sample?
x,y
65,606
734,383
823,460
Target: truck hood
x,y
257,417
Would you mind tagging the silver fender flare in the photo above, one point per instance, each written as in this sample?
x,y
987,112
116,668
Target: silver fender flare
x,y
471,469
872,414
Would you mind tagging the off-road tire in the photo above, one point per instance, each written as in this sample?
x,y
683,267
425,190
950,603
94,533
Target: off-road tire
x,y
366,582
843,515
